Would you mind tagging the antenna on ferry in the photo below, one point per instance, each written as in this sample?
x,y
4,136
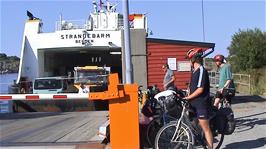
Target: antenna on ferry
x,y
101,3
108,6
60,19
113,7
94,6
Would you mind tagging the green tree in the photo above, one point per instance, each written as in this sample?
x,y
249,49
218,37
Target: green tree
x,y
3,56
248,49
13,58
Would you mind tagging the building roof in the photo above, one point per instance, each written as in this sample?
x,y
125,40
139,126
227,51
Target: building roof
x,y
182,42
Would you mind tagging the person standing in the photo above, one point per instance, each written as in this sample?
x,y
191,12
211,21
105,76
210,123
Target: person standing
x,y
199,96
225,78
83,89
169,78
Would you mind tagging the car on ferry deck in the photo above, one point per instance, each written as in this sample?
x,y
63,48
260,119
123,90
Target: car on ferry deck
x,y
49,85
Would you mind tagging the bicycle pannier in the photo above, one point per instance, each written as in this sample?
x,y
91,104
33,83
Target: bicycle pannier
x,y
229,92
225,122
149,107
169,101
172,107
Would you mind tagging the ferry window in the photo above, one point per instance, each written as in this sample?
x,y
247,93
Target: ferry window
x,y
99,59
96,59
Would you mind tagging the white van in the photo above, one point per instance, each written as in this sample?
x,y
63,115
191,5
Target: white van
x,y
49,85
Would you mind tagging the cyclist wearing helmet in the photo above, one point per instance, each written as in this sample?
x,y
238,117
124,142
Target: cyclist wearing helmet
x,y
200,92
225,79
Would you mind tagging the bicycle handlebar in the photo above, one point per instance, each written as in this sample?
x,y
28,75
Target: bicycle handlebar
x,y
183,101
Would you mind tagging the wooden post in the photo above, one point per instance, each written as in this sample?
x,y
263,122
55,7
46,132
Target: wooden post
x,y
249,85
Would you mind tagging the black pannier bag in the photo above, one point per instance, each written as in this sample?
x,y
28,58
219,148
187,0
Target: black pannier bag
x,y
171,104
230,91
149,107
225,122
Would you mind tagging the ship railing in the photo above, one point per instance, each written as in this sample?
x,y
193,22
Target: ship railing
x,y
70,24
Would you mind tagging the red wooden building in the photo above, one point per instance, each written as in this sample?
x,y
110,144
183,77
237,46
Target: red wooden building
x,y
161,51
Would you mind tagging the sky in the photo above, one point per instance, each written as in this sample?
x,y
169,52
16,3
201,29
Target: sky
x,y
167,19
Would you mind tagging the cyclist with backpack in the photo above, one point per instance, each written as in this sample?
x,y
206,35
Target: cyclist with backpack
x,y
225,79
200,92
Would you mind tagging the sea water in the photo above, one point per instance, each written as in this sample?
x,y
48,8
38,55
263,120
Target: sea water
x,y
5,81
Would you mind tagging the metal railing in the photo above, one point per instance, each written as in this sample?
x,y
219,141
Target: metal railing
x,y
214,78
242,81
70,24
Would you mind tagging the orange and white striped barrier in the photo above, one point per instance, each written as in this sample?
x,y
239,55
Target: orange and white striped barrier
x,y
43,96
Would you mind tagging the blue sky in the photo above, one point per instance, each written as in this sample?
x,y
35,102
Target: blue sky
x,y
168,19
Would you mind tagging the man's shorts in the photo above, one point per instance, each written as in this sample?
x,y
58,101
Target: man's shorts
x,y
201,113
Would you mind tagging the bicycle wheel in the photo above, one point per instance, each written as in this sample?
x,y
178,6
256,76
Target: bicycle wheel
x,y
152,129
184,140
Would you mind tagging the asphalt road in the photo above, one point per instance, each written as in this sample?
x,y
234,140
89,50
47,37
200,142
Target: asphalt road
x,y
50,129
250,132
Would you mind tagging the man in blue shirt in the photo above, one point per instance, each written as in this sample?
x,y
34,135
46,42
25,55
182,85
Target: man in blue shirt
x,y
199,96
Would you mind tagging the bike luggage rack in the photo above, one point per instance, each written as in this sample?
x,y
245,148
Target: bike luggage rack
x,y
123,110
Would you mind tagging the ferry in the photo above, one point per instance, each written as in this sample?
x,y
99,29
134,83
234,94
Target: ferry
x,y
96,41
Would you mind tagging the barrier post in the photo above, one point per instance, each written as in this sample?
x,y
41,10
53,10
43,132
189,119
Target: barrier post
x,y
123,113
124,119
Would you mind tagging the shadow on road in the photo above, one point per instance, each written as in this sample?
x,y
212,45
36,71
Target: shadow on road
x,y
249,144
244,99
246,123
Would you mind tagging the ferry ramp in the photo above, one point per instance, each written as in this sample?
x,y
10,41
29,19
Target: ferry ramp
x,y
65,129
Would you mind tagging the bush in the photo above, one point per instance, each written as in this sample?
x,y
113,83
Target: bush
x,y
258,81
247,50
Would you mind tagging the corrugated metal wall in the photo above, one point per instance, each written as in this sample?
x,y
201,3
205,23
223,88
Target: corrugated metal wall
x,y
159,51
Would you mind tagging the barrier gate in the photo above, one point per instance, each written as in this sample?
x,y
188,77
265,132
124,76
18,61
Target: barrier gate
x,y
123,110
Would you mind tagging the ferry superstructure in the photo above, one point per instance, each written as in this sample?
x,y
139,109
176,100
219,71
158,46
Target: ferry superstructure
x,y
98,41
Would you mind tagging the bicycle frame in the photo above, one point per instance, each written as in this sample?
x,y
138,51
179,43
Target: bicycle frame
x,y
175,136
185,119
